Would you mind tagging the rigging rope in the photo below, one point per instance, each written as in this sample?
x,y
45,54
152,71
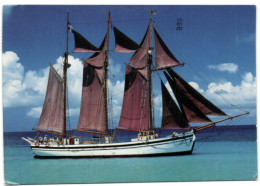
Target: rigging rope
x,y
102,22
219,130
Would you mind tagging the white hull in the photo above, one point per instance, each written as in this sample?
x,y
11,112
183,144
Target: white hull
x,y
179,144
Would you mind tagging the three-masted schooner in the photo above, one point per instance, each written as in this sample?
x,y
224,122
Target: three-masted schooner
x,y
137,109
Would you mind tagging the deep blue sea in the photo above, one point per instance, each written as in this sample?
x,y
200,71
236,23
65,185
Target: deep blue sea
x,y
220,153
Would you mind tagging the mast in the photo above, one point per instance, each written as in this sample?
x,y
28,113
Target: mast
x,y
150,60
106,63
65,67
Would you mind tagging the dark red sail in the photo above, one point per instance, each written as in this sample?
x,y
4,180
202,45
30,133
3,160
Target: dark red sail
x,y
134,114
172,118
92,110
123,43
143,71
82,44
191,111
200,101
164,57
52,116
98,58
140,57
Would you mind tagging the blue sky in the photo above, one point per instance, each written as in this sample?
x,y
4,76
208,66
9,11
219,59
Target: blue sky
x,y
217,44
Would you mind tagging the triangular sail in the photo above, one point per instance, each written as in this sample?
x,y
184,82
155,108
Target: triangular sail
x,y
164,57
191,111
92,110
134,114
172,118
82,44
123,43
200,101
139,59
98,58
52,116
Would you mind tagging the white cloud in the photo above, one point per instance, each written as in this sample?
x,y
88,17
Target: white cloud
x,y
74,79
36,81
17,88
167,85
196,86
250,37
35,112
228,67
117,90
243,94
114,68
158,105
73,111
28,88
12,70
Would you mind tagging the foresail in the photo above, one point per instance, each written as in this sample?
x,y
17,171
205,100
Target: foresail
x,y
92,110
200,101
164,57
139,59
134,114
82,44
191,111
52,116
172,118
123,43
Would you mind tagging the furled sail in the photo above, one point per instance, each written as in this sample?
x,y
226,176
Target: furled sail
x,y
82,44
172,118
92,110
189,108
164,57
139,59
134,114
52,116
123,43
200,101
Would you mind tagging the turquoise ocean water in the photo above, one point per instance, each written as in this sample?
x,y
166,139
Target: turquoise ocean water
x,y
220,153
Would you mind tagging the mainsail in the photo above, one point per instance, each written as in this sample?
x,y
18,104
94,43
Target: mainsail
x,y
52,116
92,111
134,114
93,104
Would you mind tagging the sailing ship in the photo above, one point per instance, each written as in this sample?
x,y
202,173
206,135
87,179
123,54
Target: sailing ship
x,y
137,109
